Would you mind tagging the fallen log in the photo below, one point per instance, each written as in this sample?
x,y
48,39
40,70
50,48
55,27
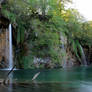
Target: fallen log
x,y
35,76
5,80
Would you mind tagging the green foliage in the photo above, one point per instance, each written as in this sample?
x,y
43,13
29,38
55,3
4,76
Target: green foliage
x,y
45,42
77,49
11,16
40,23
27,61
20,34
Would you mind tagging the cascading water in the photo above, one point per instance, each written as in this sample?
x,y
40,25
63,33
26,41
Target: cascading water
x,y
10,48
10,58
64,57
63,50
84,62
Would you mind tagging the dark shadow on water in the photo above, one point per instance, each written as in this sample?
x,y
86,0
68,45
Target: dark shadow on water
x,y
38,87
45,87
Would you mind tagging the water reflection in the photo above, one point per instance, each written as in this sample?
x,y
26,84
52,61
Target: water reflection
x,y
10,86
46,87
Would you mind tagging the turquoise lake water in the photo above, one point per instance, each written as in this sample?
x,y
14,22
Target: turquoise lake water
x,y
78,79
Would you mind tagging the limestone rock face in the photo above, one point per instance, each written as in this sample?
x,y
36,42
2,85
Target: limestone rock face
x,y
4,47
4,41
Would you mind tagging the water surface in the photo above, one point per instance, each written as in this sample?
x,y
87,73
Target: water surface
x,y
78,79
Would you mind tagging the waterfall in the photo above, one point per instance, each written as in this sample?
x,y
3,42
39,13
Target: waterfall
x,y
83,57
64,57
10,48
63,50
10,59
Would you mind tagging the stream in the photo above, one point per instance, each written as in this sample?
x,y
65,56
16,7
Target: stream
x,y
77,79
